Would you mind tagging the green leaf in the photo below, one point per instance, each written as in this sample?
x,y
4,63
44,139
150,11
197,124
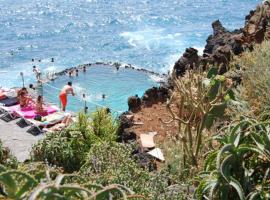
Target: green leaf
x,y
230,93
214,87
227,147
213,71
208,121
218,110
237,186
225,167
237,140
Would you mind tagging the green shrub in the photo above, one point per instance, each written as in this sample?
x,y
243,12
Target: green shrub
x,y
20,184
68,148
113,163
6,158
256,81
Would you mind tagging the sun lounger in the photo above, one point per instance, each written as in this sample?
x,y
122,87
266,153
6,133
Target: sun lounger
x,y
9,111
49,120
9,101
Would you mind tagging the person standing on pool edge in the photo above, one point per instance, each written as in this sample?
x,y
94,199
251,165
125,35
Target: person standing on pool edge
x,y
67,89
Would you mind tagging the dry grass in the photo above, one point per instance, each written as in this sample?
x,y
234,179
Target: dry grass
x,y
256,78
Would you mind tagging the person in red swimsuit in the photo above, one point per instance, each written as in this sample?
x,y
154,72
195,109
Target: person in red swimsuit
x,y
67,89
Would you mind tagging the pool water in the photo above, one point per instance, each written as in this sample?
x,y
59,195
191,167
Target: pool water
x,y
96,81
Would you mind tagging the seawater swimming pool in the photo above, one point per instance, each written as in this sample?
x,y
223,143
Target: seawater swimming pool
x,y
97,80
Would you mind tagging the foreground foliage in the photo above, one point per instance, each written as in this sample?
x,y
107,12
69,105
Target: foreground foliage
x,y
240,168
201,100
6,158
113,163
69,148
256,72
49,184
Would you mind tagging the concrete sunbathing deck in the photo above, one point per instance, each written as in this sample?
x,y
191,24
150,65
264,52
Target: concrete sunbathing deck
x,y
17,139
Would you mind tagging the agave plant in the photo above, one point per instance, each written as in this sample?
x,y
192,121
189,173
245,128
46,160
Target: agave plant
x,y
240,168
17,184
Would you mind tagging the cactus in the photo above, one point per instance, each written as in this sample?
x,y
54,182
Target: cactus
x,y
202,99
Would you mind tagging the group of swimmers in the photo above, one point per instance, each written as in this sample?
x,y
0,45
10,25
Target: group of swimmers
x,y
25,100
75,72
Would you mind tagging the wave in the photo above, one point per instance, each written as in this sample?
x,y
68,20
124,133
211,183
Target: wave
x,y
152,38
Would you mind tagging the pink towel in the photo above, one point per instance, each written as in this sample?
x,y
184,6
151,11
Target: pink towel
x,y
30,113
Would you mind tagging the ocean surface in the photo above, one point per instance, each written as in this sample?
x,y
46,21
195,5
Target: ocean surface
x,y
150,34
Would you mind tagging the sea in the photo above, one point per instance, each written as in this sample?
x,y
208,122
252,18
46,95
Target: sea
x,y
149,34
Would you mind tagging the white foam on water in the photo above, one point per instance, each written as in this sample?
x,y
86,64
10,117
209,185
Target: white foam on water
x,y
157,79
200,50
170,61
151,38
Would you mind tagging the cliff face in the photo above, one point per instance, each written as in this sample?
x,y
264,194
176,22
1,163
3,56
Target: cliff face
x,y
222,44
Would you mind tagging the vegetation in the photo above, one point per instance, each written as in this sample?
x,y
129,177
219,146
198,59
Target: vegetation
x,y
49,184
6,158
214,155
255,81
239,168
69,148
201,99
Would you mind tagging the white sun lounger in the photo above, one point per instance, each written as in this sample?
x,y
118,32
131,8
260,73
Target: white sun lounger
x,y
51,119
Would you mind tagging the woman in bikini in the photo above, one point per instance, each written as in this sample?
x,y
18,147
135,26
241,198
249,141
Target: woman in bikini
x,y
23,98
39,105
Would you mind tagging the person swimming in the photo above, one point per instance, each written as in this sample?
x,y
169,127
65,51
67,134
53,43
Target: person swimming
x,y
84,69
67,89
39,105
77,72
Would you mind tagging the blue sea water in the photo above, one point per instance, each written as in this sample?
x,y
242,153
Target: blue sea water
x,y
150,34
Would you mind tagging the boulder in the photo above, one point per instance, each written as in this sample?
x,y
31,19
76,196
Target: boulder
x,y
126,121
257,25
189,59
155,95
134,103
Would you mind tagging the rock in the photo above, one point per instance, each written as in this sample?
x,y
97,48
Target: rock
x,y
134,103
223,44
189,59
155,95
126,121
257,26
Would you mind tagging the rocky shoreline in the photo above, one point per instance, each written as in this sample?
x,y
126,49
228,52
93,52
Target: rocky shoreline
x,y
220,48
223,44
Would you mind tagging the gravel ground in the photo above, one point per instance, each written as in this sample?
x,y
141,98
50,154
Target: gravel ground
x,y
17,139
